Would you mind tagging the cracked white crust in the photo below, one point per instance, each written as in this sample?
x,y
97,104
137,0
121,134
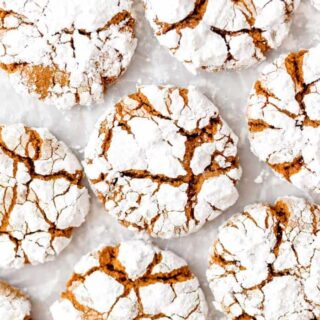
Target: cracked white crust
x,y
265,263
284,118
163,161
220,34
134,280
14,305
41,195
66,52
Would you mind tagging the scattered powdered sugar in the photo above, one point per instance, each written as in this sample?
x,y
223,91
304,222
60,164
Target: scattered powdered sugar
x,y
42,197
134,280
263,175
65,52
316,4
265,262
14,305
163,161
220,34
284,118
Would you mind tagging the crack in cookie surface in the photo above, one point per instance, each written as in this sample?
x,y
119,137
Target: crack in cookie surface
x,y
163,161
225,34
42,196
14,304
66,53
265,262
284,118
131,281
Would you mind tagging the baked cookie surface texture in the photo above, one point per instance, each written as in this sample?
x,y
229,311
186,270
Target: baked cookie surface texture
x,y
65,52
265,263
163,161
14,304
284,118
134,280
220,34
42,197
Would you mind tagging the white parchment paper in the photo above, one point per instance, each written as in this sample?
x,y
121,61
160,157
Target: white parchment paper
x,y
152,64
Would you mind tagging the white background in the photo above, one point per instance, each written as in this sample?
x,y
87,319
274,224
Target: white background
x,y
152,64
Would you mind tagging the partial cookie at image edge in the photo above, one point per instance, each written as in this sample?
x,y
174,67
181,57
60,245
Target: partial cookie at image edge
x,y
43,196
215,35
132,280
66,53
283,117
14,304
265,261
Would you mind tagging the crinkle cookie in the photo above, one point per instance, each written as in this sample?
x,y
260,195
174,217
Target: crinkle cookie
x,y
133,280
220,34
163,161
14,304
65,52
284,118
41,196
265,264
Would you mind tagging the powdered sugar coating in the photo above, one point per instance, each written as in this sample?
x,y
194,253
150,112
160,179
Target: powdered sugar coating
x,y
284,118
265,262
134,280
220,34
163,161
65,52
42,197
14,305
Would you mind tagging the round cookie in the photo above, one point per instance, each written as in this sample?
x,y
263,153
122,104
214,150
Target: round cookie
x,y
265,264
66,52
284,118
42,197
14,304
134,280
220,34
163,161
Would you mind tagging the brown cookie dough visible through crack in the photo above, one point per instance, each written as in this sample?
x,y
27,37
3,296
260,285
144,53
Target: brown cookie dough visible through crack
x,y
163,161
265,262
284,118
131,281
211,35
14,304
66,53
42,194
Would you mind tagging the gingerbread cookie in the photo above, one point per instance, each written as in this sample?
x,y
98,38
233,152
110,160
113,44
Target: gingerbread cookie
x,y
66,52
14,304
284,118
163,161
133,280
42,197
220,34
265,263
